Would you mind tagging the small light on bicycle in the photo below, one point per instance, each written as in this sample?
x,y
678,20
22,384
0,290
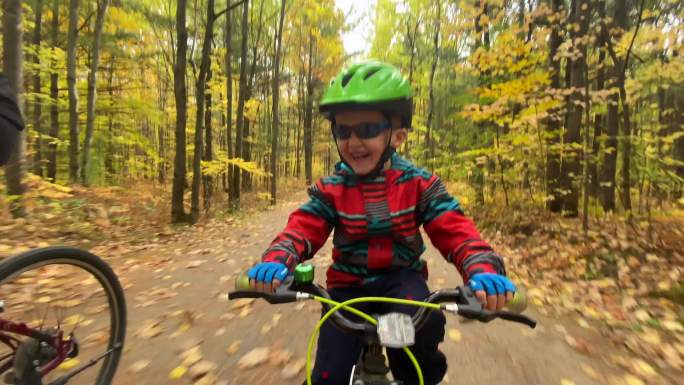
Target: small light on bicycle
x,y
304,274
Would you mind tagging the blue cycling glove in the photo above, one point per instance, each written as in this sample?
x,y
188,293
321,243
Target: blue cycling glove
x,y
266,272
493,284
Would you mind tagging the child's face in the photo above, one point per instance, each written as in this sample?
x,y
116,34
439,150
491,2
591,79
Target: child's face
x,y
362,155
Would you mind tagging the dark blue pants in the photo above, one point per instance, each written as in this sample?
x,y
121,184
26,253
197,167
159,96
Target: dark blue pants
x,y
338,351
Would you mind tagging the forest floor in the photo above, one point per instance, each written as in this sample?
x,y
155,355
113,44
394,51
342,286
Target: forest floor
x,y
608,303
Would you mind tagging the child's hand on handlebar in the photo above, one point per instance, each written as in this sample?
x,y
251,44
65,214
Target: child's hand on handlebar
x,y
267,276
493,290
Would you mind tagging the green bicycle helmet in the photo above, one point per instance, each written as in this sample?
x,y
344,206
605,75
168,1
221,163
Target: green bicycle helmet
x,y
369,85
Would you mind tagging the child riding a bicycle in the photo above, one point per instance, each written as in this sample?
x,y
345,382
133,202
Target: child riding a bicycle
x,y
376,200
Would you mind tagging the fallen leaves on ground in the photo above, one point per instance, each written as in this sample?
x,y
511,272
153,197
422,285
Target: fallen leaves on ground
x,y
623,279
293,369
150,328
254,357
455,335
178,372
233,348
138,366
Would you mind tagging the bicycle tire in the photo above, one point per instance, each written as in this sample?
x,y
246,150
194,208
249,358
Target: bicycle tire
x,y
91,263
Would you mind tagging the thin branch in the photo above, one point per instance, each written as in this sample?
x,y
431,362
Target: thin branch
x,y
229,8
636,31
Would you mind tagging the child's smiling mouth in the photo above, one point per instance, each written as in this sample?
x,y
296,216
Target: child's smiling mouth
x,y
360,156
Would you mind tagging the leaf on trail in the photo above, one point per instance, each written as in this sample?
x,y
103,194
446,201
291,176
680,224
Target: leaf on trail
x,y
673,326
138,366
245,311
255,357
578,344
279,357
226,317
565,381
642,315
191,357
195,263
672,357
292,369
208,379
69,364
233,348
242,302
650,336
589,371
631,380
201,368
583,323
178,372
455,335
149,329
95,338
643,369
220,332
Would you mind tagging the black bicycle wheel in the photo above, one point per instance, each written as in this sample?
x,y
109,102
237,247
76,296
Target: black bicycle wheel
x,y
73,291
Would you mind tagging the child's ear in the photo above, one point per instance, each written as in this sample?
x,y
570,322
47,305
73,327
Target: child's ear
x,y
399,136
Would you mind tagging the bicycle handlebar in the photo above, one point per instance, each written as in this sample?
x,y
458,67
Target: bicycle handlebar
x,y
462,302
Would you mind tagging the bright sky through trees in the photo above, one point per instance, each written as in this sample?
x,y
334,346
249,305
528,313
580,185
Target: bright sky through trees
x,y
361,17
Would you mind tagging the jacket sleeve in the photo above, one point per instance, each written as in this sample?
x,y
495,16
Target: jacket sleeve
x,y
306,231
454,235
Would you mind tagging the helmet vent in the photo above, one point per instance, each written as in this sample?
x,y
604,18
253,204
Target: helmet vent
x,y
371,73
346,78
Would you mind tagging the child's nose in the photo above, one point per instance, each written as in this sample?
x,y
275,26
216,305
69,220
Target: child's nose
x,y
353,139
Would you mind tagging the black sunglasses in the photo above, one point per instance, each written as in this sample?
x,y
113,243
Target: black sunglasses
x,y
366,130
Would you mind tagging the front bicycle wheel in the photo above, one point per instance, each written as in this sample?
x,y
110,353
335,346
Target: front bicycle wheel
x,y
69,291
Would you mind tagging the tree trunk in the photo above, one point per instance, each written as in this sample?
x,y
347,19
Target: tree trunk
x,y
109,151
228,38
161,133
92,90
199,118
72,35
607,185
481,39
276,95
677,123
208,144
54,95
247,141
12,49
241,100
599,119
413,48
308,111
431,104
620,70
555,203
570,168
300,119
37,89
623,22
177,210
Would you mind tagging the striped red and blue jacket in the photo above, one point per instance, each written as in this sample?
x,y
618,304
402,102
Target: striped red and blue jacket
x,y
376,222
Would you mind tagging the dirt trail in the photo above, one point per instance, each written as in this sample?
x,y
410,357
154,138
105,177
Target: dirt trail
x,y
179,285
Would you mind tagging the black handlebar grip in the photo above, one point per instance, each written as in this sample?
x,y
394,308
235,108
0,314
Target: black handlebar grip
x,y
271,298
510,316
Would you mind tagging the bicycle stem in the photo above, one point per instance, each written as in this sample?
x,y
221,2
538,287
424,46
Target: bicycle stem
x,y
373,321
